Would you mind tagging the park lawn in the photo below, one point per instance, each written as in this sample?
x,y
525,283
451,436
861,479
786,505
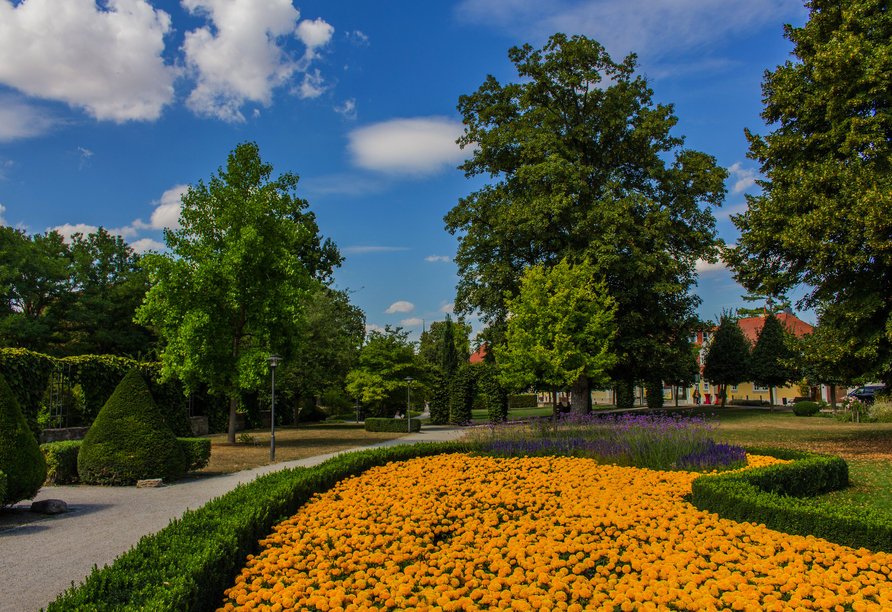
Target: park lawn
x,y
292,443
517,414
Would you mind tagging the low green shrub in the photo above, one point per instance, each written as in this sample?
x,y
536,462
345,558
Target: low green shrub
x,y
746,402
61,461
2,484
881,411
391,425
777,496
197,452
526,400
806,409
312,414
188,564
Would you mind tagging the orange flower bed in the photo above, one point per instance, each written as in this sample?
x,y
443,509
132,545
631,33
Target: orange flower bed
x,y
456,532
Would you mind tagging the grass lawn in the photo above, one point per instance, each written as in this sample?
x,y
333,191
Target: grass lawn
x,y
524,413
307,441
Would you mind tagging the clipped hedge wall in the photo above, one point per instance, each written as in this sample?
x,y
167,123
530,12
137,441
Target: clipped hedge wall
x,y
773,496
2,484
27,373
188,564
61,462
391,425
494,396
746,402
439,399
527,400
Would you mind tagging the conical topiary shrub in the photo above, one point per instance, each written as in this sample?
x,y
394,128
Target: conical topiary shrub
x,y
20,456
129,440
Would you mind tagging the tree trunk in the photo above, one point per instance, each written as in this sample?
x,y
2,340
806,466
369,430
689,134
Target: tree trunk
x,y
833,398
724,394
771,399
554,408
580,394
296,409
233,407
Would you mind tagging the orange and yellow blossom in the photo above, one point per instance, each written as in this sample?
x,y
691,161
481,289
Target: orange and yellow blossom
x,y
460,533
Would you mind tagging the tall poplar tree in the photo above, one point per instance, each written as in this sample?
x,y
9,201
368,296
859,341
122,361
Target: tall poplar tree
x,y
584,168
824,217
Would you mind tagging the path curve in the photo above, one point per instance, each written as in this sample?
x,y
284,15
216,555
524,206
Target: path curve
x,y
40,560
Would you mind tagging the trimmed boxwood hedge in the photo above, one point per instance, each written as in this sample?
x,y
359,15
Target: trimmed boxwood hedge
x,y
806,409
20,456
197,452
188,564
527,400
776,496
391,425
61,461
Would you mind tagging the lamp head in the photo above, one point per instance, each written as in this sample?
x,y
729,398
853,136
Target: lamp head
x,y
273,361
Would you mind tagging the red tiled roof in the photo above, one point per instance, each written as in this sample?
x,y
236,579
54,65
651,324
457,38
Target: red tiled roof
x,y
751,326
478,355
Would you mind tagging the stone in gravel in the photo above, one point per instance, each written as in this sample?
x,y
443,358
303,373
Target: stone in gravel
x,y
148,483
49,506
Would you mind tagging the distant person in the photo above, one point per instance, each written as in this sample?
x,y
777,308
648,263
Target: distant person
x,y
696,396
398,415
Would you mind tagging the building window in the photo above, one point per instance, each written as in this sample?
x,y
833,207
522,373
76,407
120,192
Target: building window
x,y
705,337
757,388
705,387
733,388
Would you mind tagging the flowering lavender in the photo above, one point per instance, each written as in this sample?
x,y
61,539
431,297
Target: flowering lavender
x,y
644,440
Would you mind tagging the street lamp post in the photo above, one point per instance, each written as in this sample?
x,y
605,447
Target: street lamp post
x,y
409,380
273,361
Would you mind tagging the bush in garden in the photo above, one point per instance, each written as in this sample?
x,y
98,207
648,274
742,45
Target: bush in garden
x,y
2,486
527,400
20,456
624,392
493,395
439,400
129,440
197,452
806,409
654,394
312,414
747,402
461,394
61,461
881,411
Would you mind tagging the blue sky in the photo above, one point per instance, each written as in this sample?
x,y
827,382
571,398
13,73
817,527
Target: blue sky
x,y
107,113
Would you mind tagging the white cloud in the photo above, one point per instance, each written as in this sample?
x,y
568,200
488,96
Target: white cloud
x,y
401,306
144,245
704,267
2,210
239,56
312,86
651,28
21,120
448,307
438,258
743,178
106,60
421,145
347,109
68,230
411,322
167,210
358,38
371,249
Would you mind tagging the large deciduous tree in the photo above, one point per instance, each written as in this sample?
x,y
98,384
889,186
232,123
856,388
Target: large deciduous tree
x,y
727,359
584,167
560,331
824,217
230,288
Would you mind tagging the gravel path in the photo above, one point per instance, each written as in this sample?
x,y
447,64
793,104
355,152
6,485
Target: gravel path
x,y
40,560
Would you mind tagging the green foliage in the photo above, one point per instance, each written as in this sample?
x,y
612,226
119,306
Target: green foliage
x,y
881,411
432,341
27,373
653,393
462,391
561,328
98,376
586,169
2,486
448,353
197,452
61,461
527,400
189,563
624,391
493,394
230,288
772,356
20,456
773,496
439,400
747,402
806,409
312,414
824,217
770,305
727,360
129,440
391,425
387,358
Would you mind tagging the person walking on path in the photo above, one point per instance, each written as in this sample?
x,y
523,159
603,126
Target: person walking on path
x,y
696,396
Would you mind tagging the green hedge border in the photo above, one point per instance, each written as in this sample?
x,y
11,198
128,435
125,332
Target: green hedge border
x,y
61,461
188,564
777,497
391,425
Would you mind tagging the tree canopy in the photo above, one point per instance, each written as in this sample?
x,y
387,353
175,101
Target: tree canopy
x,y
824,217
231,288
727,358
584,167
561,328
772,359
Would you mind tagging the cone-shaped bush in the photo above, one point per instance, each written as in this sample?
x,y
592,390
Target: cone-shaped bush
x,y
20,456
129,440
